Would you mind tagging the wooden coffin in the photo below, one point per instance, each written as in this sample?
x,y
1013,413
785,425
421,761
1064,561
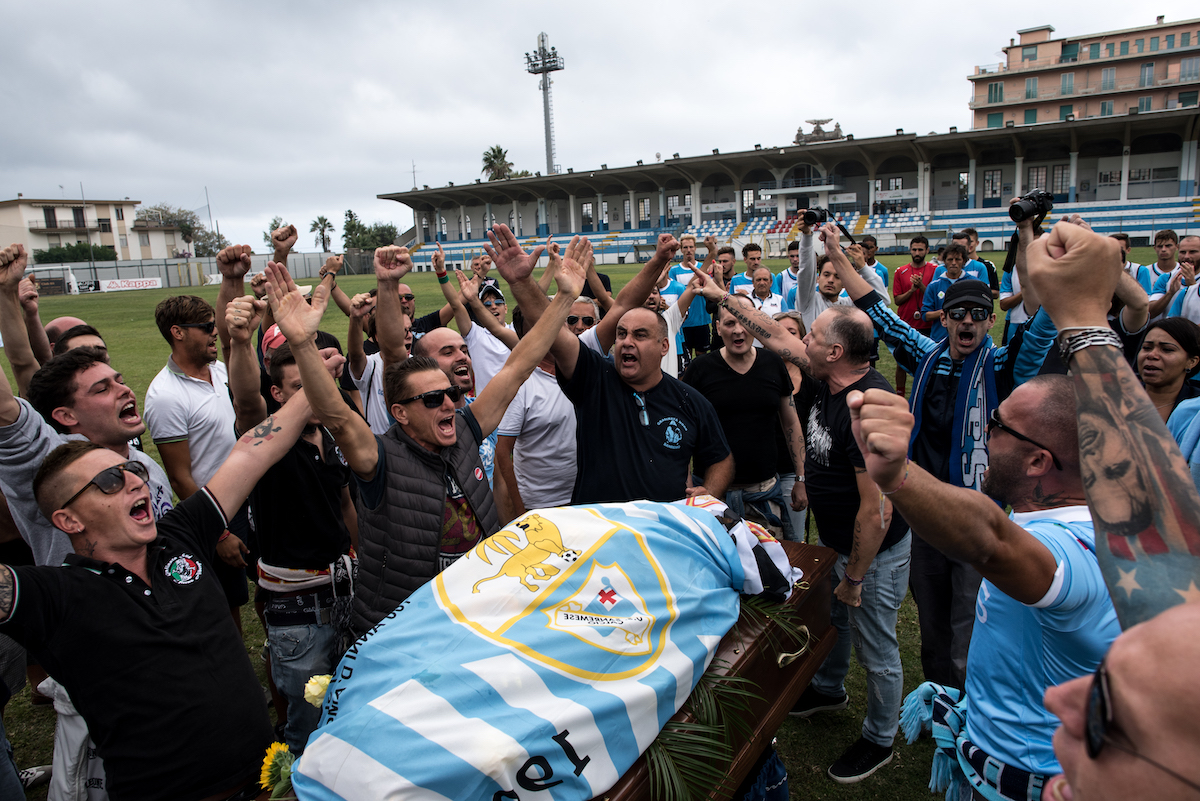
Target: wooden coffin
x,y
748,653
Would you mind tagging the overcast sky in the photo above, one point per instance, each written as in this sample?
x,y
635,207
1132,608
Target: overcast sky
x,y
306,108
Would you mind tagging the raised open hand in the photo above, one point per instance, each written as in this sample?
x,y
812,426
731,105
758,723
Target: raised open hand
x,y
242,317
297,320
513,263
392,263
572,275
284,239
234,261
13,261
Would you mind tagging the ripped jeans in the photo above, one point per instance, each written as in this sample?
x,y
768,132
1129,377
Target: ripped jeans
x,y
872,630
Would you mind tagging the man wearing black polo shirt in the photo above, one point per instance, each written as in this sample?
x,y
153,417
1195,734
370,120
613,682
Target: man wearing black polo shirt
x,y
638,428
135,625
299,510
852,518
424,500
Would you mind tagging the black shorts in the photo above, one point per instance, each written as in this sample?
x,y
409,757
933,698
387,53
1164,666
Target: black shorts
x,y
696,337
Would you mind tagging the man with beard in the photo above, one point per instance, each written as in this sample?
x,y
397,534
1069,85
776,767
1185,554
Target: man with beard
x,y
1043,614
908,290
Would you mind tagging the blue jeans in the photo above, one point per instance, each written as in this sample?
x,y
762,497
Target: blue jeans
x,y
297,654
10,782
872,630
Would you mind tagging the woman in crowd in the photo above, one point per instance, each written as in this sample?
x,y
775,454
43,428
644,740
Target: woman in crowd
x,y
794,323
1170,355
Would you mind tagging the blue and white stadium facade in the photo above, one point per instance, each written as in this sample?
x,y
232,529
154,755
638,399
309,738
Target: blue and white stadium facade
x,y
1135,173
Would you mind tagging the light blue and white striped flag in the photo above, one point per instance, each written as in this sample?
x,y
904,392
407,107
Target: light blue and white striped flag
x,y
539,666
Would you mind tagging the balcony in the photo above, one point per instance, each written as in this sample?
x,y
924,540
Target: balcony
x,y
42,226
1122,86
990,70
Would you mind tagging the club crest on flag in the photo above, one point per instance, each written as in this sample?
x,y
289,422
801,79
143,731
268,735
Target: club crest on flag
x,y
573,572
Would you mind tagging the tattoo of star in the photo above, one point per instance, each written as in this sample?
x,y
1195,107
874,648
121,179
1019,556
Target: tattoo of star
x,y
1129,581
1191,594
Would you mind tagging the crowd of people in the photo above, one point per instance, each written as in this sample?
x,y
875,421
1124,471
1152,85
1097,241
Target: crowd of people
x,y
326,484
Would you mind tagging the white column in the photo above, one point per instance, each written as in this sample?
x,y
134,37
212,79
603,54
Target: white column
x,y
1187,168
662,206
923,187
737,206
780,207
1074,177
598,220
462,221
516,226
1019,178
633,215
971,184
1125,174
571,216
696,213
542,219
487,217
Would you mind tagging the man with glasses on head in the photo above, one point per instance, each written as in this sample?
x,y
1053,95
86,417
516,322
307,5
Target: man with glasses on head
x,y
959,382
1042,614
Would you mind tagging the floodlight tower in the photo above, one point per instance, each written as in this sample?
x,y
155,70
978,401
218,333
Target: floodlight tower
x,y
544,61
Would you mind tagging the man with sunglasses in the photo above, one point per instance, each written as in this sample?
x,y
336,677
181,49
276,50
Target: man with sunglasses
x,y
424,499
958,382
135,624
1043,614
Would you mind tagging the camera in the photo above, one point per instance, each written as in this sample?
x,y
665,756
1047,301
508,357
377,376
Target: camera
x,y
816,216
1037,203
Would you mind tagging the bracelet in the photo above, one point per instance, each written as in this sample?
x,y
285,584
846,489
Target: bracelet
x,y
1088,336
853,582
443,278
724,301
901,484
226,534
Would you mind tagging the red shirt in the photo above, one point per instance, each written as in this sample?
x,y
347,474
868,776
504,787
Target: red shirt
x,y
902,282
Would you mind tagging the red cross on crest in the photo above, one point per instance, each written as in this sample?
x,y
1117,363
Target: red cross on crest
x,y
608,597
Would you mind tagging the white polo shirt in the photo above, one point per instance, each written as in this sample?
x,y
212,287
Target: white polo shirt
x,y
370,387
180,408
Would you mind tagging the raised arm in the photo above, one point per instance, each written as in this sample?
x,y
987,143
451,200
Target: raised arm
x,y
361,306
299,323
333,265
548,274
13,260
392,263
233,263
634,293
603,298
242,316
491,404
42,347
961,523
469,296
1139,489
852,280
1136,312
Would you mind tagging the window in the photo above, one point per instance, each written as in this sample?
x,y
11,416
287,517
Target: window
x,y
1094,50
628,212
120,213
1108,49
80,222
604,211
1030,116
1185,39
1111,177
585,214
995,120
1140,44
687,200
879,181
1166,173
1065,111
1142,174
747,199
1106,108
895,183
996,92
1037,178
105,225
644,209
1031,91
1171,42
1125,47
1153,44
1070,52
1029,53
1188,98
144,239
1146,78
1068,83
124,239
1144,103
1189,69
1061,184
1108,79
468,226
672,205
54,240
442,226
991,184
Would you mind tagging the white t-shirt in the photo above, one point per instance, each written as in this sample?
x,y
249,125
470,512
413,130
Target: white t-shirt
x,y
488,355
180,408
543,421
370,387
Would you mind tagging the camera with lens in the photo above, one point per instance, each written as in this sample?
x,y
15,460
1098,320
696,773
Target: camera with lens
x,y
1037,203
816,216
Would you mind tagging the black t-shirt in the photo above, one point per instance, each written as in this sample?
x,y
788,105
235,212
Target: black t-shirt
x,y
159,673
831,457
747,406
423,325
620,459
297,507
587,288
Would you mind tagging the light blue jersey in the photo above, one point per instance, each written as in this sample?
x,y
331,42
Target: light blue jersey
x,y
697,311
935,293
972,269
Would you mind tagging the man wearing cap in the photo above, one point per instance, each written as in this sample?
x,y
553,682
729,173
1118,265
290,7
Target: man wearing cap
x,y
958,382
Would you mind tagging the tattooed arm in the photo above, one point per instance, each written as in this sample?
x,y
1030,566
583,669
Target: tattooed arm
x,y
767,330
258,449
870,527
8,592
789,420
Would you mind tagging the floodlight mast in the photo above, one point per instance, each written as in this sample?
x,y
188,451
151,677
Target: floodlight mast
x,y
543,61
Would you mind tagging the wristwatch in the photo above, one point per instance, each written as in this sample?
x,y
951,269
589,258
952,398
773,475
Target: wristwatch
x,y
799,479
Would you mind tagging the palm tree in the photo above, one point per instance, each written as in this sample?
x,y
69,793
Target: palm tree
x,y
323,228
496,163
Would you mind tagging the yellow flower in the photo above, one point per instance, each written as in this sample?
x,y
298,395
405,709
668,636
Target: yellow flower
x,y
314,690
278,757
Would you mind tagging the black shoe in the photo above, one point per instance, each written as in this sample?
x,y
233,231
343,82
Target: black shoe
x,y
859,761
812,701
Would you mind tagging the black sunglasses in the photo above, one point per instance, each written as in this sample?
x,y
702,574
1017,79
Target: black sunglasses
x,y
960,313
407,296
574,318
491,303
994,423
207,328
111,479
433,398
1099,722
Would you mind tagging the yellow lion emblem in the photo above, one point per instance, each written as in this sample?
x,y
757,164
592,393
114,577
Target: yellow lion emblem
x,y
528,562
